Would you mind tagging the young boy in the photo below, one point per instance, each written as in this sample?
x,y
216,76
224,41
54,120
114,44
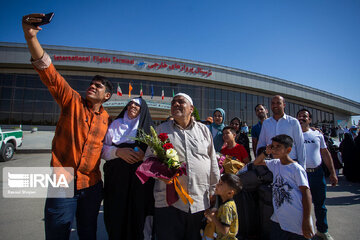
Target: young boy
x,y
225,218
291,193
232,148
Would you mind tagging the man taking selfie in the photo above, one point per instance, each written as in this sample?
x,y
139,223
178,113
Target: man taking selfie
x,y
77,142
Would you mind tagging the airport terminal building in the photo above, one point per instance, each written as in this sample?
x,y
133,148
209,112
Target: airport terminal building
x,y
25,100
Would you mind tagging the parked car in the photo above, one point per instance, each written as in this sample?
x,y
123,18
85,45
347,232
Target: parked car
x,y
10,139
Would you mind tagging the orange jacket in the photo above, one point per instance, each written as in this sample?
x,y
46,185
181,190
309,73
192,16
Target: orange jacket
x,y
79,132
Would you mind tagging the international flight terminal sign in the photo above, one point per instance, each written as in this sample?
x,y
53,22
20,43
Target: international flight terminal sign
x,y
155,66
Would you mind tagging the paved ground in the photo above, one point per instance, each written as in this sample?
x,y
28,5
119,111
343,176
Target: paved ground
x,y
23,218
36,141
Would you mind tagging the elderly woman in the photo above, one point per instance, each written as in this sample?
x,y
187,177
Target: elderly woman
x,y
216,128
241,138
127,202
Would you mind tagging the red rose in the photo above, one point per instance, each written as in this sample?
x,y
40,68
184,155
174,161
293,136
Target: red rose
x,y
167,146
163,137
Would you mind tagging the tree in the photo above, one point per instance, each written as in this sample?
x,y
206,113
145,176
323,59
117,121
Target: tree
x,y
196,114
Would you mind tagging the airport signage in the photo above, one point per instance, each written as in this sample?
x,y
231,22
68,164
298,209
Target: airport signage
x,y
143,65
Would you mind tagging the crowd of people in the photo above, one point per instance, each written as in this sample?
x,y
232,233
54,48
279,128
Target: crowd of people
x,y
290,149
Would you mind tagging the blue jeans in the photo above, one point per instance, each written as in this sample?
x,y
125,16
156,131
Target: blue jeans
x,y
60,213
318,192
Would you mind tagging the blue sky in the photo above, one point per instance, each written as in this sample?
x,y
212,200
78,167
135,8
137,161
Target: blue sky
x,y
311,42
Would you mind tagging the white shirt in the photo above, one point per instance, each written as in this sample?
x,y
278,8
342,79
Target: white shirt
x,y
287,197
194,146
285,125
314,141
121,130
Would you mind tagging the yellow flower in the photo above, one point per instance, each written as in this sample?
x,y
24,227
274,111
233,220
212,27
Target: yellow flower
x,y
175,158
171,153
175,161
175,164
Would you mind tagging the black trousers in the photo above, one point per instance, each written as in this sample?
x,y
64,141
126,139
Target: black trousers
x,y
127,201
173,224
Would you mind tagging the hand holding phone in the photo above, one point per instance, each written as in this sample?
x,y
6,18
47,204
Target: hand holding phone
x,y
37,19
45,20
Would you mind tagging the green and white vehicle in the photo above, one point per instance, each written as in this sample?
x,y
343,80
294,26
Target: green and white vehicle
x,y
9,141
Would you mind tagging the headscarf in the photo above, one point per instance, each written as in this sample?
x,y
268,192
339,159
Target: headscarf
x,y
218,140
130,126
220,126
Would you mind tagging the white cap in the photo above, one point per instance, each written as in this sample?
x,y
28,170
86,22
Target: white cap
x,y
185,96
136,100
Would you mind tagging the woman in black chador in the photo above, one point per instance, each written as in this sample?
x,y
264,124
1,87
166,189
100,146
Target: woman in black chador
x,y
351,158
128,204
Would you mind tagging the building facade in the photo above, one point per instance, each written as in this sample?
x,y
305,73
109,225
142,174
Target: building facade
x,y
25,100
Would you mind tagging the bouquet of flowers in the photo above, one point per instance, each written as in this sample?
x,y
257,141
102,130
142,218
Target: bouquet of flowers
x,y
165,165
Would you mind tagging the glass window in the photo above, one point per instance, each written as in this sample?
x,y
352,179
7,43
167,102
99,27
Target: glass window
x,y
4,117
243,105
28,107
248,107
48,119
27,118
84,85
6,93
224,98
33,81
205,102
15,118
5,105
7,79
211,100
19,93
291,110
37,119
57,109
20,81
48,107
218,99
17,106
237,104
29,94
327,116
231,105
43,95
318,113
260,100
287,107
296,108
331,118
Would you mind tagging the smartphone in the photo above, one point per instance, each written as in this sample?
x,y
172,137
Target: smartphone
x,y
45,19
